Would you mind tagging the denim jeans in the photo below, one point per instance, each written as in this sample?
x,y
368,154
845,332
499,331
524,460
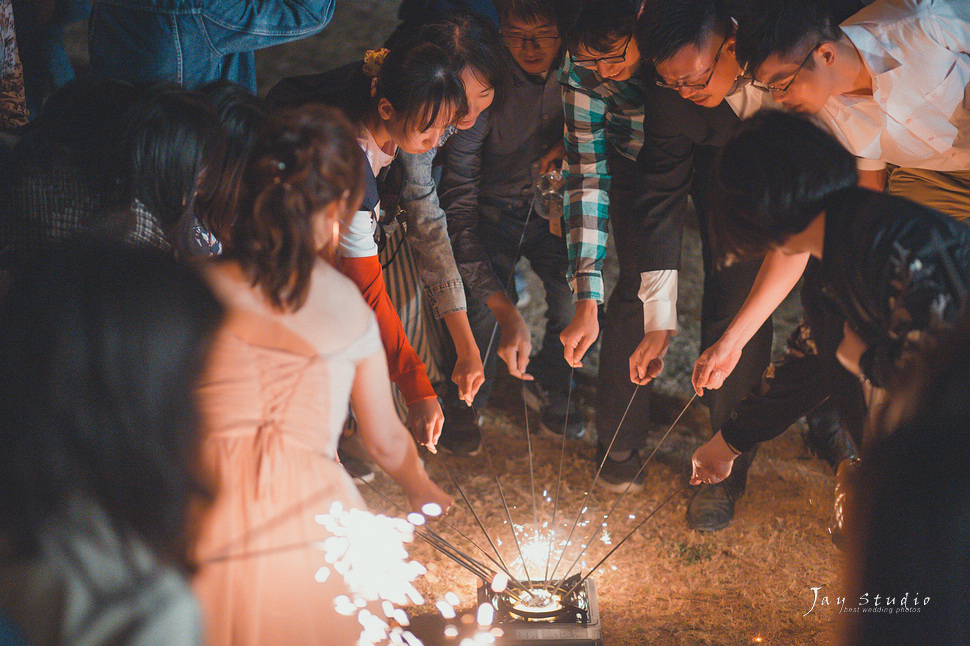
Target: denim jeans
x,y
548,258
194,42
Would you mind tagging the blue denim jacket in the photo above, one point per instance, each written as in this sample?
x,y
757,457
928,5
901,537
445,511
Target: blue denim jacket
x,y
193,42
427,233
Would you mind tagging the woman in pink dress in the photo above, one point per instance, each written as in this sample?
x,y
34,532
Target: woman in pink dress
x,y
299,342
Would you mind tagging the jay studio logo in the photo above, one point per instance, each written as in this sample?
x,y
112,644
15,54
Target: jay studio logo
x,y
869,602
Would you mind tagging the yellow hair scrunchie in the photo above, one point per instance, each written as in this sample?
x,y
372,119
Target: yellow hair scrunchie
x,y
373,59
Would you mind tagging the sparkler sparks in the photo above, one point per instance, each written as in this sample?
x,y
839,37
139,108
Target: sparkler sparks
x,y
368,552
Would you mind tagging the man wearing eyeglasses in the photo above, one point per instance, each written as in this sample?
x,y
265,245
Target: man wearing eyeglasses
x,y
487,191
696,101
892,83
603,104
694,98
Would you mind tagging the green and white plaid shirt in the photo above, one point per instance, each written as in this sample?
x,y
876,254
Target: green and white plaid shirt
x,y
598,112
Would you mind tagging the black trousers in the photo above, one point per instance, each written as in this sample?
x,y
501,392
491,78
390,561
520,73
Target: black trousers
x,y
808,376
548,257
622,329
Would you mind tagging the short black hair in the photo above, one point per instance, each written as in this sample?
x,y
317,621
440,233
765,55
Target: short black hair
x,y
786,28
775,174
534,11
597,24
473,43
666,26
101,348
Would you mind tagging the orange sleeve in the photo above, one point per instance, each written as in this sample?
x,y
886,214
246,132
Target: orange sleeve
x,y
405,368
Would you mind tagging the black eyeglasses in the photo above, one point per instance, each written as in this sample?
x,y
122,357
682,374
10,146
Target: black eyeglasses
x,y
782,92
696,86
613,59
514,41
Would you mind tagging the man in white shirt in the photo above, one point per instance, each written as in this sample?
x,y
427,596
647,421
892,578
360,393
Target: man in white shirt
x,y
891,83
695,99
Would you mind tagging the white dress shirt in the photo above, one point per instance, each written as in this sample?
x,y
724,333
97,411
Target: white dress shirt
x,y
918,53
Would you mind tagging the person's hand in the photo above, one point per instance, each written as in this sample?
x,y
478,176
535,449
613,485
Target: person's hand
x,y
715,364
425,420
581,332
515,344
851,349
552,160
423,499
712,462
647,360
468,375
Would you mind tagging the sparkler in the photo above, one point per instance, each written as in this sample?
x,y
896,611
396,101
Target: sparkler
x,y
590,538
368,552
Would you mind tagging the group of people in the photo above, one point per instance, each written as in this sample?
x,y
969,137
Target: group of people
x,y
198,279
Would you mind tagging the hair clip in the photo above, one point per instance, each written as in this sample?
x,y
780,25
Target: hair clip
x,y
373,60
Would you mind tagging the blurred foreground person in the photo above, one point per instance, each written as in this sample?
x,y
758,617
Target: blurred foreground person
x,y
112,160
299,343
913,549
100,349
886,277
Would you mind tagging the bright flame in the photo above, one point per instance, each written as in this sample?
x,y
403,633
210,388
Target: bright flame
x,y
368,552
432,509
486,614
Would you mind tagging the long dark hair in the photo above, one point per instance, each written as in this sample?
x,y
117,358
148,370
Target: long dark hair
x,y
101,346
169,152
243,116
910,508
305,159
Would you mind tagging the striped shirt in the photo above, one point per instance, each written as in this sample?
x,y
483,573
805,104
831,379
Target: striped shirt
x,y
598,112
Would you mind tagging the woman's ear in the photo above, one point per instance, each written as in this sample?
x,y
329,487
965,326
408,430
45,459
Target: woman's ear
x,y
385,109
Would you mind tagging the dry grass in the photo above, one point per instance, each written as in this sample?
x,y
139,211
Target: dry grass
x,y
666,584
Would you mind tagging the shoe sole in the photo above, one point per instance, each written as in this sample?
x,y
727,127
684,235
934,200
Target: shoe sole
x,y
708,530
535,404
618,487
370,477
472,454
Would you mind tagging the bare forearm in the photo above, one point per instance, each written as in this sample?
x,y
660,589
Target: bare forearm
x,y
778,275
461,332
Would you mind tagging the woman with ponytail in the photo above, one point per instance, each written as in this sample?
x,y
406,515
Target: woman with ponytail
x,y
300,341
404,102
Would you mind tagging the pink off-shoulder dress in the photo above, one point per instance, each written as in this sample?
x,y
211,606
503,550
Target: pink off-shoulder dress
x,y
273,408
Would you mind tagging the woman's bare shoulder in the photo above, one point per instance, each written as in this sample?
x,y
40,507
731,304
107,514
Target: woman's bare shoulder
x,y
335,313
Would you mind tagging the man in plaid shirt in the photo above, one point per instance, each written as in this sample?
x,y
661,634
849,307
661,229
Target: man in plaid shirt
x,y
603,104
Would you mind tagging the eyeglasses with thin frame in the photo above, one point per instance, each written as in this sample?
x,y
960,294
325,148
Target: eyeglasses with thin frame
x,y
782,92
514,41
695,86
612,59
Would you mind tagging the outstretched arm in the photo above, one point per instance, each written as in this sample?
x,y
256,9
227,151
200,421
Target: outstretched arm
x,y
778,275
386,439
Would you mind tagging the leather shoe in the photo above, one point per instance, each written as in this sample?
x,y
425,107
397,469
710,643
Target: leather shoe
x,y
711,509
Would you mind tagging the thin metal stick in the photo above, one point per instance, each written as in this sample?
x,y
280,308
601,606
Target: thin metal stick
x,y
582,507
508,514
589,539
562,455
443,522
625,538
505,566
532,477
